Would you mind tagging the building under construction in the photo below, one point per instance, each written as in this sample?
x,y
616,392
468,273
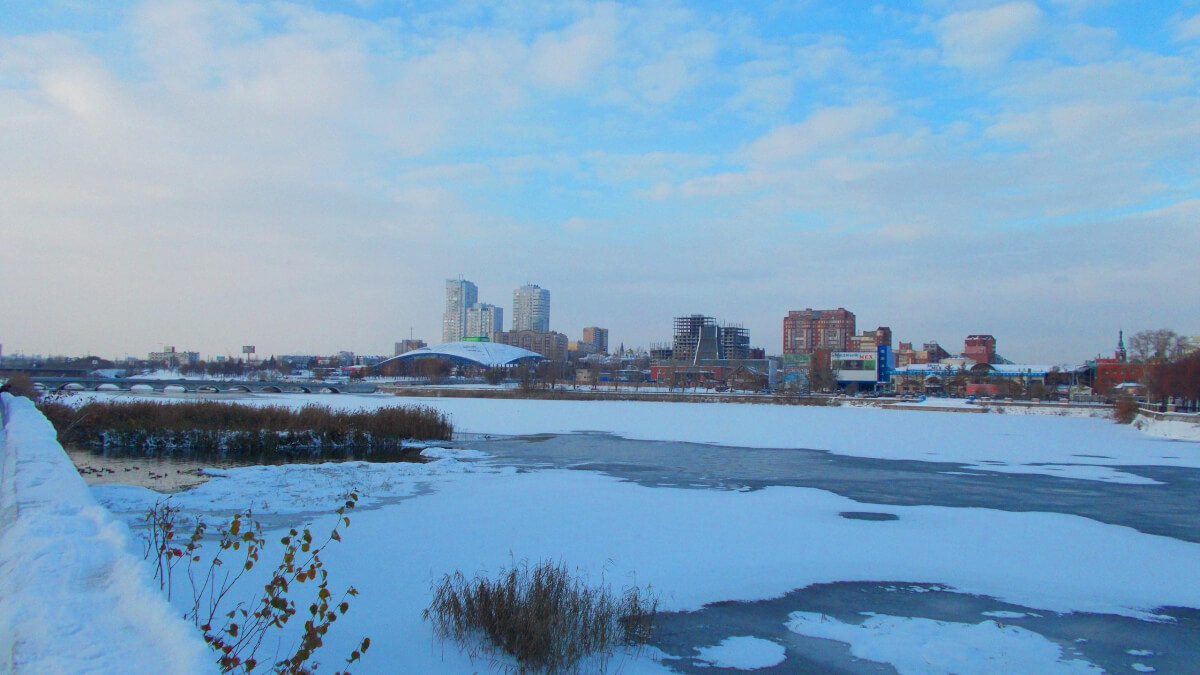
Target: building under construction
x,y
699,338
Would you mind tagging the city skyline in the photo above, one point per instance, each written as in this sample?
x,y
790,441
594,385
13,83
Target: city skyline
x,y
304,176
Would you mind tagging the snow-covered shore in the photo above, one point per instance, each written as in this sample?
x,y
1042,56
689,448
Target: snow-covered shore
x,y
73,599
463,511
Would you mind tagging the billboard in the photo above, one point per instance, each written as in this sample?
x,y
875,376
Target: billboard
x,y
248,349
855,366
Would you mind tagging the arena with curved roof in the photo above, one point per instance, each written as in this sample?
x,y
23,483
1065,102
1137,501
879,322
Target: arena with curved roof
x,y
487,354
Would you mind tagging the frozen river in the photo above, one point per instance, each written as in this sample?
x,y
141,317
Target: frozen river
x,y
909,542
1167,507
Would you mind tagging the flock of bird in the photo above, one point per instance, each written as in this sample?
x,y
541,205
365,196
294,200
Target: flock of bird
x,y
88,470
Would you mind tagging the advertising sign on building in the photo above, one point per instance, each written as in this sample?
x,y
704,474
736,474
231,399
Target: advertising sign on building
x,y
855,366
887,363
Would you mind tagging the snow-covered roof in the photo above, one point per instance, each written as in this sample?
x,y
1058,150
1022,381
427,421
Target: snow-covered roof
x,y
1020,369
483,353
928,368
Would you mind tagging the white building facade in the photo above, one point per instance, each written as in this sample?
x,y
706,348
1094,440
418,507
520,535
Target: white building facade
x,y
531,309
484,319
461,295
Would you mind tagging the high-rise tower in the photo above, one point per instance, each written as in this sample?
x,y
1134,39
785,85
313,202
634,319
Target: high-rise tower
x,y
484,319
460,295
531,308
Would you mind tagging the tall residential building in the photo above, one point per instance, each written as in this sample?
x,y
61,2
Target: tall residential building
x,y
484,319
812,329
596,337
460,295
531,309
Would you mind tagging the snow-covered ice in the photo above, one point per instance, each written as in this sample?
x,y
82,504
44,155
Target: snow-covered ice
x,y
464,511
743,652
916,646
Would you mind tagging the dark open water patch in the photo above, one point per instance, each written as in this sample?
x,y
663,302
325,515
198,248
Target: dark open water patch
x,y
868,515
1167,509
1170,646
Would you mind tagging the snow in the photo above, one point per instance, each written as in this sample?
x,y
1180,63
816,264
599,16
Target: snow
x,y
743,653
72,598
1176,430
928,647
292,488
1086,448
461,511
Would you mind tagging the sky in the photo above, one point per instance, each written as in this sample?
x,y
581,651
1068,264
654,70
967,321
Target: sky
x,y
304,176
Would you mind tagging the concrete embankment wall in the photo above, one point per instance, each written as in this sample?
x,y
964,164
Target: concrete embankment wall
x,y
72,597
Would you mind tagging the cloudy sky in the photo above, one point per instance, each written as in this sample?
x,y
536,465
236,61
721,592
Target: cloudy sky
x,y
304,176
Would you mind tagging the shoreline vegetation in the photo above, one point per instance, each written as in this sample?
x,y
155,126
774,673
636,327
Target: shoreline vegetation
x,y
266,434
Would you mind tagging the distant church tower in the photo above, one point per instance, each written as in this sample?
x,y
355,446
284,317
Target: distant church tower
x,y
1121,354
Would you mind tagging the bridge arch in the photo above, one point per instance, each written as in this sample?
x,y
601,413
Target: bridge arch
x,y
271,389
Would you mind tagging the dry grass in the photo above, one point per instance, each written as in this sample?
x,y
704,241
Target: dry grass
x,y
543,616
240,429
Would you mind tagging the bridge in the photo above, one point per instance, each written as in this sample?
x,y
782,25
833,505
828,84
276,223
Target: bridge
x,y
94,383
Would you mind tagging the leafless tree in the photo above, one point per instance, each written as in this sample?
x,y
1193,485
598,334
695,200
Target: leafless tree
x,y
1162,344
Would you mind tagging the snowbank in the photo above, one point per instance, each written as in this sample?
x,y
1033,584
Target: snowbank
x,y
72,599
1175,430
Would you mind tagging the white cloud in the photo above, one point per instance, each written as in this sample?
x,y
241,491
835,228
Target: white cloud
x,y
568,58
824,128
1188,29
984,38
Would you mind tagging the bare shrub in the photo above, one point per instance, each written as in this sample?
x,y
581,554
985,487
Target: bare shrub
x,y
22,385
237,633
542,615
1125,410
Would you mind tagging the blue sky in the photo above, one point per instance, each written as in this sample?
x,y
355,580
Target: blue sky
x,y
305,176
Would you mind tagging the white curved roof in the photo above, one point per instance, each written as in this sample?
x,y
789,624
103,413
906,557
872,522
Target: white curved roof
x,y
483,353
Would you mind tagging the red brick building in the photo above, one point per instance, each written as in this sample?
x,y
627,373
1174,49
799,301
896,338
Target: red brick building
x,y
811,329
980,348
1111,372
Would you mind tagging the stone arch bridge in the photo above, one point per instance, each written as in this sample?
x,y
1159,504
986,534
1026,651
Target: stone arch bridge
x,y
201,386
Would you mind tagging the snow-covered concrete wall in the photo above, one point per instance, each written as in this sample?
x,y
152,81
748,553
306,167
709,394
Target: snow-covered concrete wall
x,y
72,598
